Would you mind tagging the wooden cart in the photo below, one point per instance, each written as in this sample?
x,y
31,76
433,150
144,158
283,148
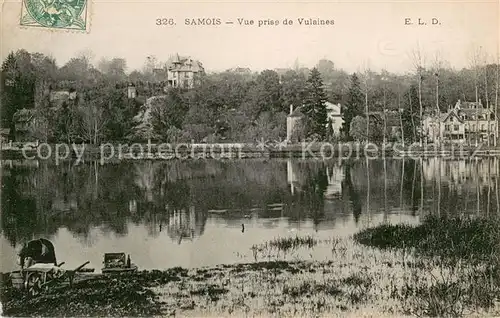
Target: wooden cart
x,y
40,277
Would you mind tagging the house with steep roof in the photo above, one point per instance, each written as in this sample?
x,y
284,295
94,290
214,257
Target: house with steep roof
x,y
465,122
453,126
183,72
240,70
480,123
447,126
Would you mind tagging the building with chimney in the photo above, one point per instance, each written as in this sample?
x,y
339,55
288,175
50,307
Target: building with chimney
x,y
183,72
466,122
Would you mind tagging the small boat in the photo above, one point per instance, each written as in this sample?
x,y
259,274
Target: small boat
x,y
217,211
115,263
274,205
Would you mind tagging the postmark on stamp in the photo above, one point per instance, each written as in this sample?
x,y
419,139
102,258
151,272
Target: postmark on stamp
x,y
55,14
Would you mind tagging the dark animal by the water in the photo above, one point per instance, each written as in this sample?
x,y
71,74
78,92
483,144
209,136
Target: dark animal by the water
x,y
40,251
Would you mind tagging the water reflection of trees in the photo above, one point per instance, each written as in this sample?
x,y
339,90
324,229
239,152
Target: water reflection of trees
x,y
466,186
176,197
18,211
350,195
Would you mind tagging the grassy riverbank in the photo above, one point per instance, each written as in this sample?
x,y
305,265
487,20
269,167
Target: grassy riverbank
x,y
439,268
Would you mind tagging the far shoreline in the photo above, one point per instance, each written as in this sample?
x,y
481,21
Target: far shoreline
x,y
194,151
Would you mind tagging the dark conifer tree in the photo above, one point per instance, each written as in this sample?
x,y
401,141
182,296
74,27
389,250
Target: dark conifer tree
x,y
353,106
314,106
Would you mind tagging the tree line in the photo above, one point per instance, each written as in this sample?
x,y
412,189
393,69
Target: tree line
x,y
235,105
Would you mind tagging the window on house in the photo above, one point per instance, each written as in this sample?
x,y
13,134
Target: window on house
x,y
483,127
473,127
455,127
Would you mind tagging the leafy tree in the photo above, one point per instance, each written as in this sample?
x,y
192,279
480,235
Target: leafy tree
x,y
293,89
42,126
9,92
67,124
92,113
168,112
338,86
150,64
119,111
314,107
268,126
263,95
230,88
18,86
335,80
353,106
114,69
358,129
76,69
136,77
326,69
44,67
411,115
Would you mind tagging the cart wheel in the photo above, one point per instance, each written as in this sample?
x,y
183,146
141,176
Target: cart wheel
x,y
34,284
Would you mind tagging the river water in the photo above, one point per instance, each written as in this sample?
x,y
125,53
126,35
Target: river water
x,y
203,213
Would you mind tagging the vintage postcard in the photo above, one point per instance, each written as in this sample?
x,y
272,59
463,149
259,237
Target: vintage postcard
x,y
249,158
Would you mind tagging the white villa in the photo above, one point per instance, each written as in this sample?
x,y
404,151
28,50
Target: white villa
x,y
294,120
466,122
180,71
334,116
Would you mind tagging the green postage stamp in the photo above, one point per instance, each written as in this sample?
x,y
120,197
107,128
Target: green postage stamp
x,y
55,14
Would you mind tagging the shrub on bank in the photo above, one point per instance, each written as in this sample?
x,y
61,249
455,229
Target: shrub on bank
x,y
473,239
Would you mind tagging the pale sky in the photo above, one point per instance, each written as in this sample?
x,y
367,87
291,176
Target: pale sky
x,y
365,32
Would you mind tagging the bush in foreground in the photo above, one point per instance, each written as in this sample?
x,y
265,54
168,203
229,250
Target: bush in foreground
x,y
453,238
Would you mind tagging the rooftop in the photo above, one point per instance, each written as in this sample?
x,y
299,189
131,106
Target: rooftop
x,y
392,117
183,64
468,105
